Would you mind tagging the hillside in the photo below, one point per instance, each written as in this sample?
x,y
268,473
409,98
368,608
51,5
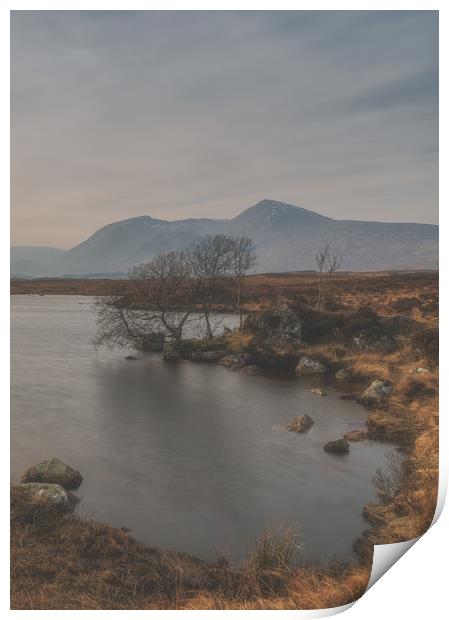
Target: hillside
x,y
286,238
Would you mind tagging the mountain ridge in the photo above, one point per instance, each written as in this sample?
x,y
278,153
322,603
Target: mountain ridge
x,y
286,238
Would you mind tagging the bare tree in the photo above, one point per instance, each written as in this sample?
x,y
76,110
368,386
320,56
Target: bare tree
x,y
244,259
212,261
328,261
158,298
165,289
116,324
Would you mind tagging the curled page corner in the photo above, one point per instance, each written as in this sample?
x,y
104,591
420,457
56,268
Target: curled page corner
x,y
385,556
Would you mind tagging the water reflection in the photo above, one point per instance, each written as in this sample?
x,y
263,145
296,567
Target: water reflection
x,y
190,457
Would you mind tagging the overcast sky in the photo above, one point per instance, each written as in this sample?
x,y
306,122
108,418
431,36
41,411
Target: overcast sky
x,y
202,114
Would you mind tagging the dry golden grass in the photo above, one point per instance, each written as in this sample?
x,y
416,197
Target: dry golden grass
x,y
69,563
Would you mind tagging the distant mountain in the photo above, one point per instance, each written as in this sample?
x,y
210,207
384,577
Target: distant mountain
x,y
286,238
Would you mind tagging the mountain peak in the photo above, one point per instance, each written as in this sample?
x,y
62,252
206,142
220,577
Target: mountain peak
x,y
268,210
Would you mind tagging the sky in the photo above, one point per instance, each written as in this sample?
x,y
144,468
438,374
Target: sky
x,y
180,114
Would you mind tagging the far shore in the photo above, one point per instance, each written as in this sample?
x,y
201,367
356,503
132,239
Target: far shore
x,y
254,285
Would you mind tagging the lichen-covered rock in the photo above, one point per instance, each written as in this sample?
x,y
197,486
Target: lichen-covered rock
x,y
355,435
275,327
300,424
235,360
54,494
318,391
309,366
53,471
338,446
208,356
377,393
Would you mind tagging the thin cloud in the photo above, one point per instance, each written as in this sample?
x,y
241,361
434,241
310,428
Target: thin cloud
x,y
201,114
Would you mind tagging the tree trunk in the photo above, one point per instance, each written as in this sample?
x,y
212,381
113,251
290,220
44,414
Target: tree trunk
x,y
239,309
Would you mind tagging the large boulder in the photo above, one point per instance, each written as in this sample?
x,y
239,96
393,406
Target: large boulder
x,y
275,327
377,393
208,356
300,424
53,471
338,446
53,494
309,366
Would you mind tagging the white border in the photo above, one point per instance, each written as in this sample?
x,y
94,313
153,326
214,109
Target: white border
x,y
428,570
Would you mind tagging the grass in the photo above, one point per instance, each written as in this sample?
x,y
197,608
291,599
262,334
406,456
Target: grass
x,y
69,563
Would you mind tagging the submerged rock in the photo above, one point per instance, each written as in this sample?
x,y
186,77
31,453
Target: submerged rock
x,y
309,366
350,396
53,471
318,391
338,446
343,373
130,358
54,494
300,424
235,361
251,370
377,393
356,435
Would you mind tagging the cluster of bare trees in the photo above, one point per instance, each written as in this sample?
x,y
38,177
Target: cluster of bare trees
x,y
328,261
174,290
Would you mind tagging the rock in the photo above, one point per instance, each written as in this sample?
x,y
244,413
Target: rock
x,y
420,371
375,341
377,393
208,356
251,370
54,494
338,446
355,435
235,360
171,351
300,424
350,396
53,471
318,391
130,358
275,327
343,373
309,366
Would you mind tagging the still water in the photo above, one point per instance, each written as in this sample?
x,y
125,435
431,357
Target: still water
x,y
191,457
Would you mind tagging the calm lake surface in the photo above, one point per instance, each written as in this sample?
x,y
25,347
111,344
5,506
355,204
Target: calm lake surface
x,y
191,457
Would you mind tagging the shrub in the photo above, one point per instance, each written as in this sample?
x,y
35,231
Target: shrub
x,y
426,344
